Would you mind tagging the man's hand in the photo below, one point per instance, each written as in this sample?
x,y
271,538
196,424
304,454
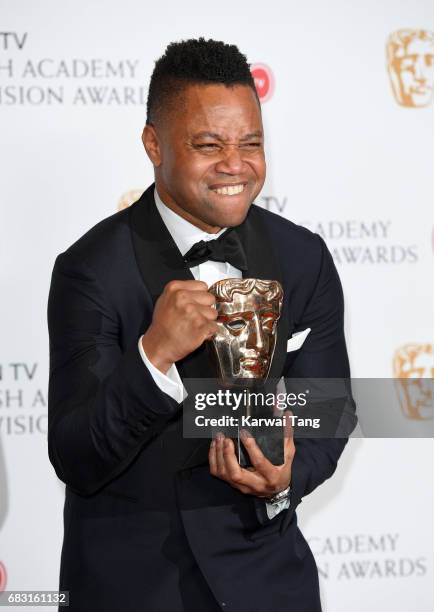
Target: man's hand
x,y
263,479
183,319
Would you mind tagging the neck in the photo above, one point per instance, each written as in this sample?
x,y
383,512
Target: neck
x,y
170,203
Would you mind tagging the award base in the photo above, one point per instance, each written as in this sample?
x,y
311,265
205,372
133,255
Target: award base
x,y
270,443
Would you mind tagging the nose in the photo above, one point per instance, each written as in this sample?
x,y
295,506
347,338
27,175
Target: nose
x,y
419,69
231,162
255,337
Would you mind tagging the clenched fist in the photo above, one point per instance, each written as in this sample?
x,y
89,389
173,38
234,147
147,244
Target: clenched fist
x,y
183,319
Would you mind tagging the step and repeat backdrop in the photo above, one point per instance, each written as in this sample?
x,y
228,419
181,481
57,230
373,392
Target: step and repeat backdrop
x,y
347,90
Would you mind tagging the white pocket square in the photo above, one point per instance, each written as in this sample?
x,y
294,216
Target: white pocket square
x,y
297,339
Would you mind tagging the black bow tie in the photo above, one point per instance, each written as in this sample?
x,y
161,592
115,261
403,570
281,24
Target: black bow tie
x,y
227,247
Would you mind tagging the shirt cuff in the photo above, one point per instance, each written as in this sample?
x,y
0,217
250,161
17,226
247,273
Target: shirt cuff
x,y
274,509
170,382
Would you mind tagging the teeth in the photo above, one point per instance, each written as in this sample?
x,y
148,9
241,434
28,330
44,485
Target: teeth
x,y
230,190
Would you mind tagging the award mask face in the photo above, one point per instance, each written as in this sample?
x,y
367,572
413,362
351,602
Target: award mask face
x,y
248,311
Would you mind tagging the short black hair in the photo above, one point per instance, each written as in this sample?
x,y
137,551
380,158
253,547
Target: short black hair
x,y
194,61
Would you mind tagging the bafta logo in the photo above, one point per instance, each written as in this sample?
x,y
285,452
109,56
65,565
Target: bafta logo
x,y
410,63
413,366
128,198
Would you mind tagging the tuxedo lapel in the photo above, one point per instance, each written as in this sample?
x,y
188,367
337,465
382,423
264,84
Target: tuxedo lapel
x,y
160,262
263,263
158,257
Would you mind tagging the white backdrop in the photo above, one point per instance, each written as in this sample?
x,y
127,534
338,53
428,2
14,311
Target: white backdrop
x,y
344,158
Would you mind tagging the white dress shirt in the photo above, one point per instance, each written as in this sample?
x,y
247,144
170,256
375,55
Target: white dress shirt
x,y
185,235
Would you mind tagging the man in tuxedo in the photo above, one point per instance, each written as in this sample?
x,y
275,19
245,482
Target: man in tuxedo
x,y
153,520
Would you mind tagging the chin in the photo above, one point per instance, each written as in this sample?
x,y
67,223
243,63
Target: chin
x,y
231,218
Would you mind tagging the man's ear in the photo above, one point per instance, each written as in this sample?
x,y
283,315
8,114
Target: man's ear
x,y
151,144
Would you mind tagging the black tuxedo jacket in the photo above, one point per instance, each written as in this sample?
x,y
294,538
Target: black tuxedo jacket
x,y
146,527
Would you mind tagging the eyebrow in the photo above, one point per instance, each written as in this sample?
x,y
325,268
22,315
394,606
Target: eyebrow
x,y
234,315
257,134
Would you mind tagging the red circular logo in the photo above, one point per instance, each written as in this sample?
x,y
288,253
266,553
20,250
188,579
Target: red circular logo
x,y
264,81
3,577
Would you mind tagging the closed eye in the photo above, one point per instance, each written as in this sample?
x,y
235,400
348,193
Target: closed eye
x,y
251,145
213,146
208,147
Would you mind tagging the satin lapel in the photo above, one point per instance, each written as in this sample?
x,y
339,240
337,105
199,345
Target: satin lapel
x,y
263,263
157,255
160,262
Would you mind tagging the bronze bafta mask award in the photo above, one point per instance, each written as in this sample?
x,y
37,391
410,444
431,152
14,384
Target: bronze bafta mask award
x,y
248,311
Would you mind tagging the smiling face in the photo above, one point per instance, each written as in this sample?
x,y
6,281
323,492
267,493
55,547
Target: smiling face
x,y
248,311
208,154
